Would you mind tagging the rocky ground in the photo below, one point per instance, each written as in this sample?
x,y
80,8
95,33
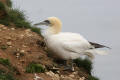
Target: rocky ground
x,y
22,46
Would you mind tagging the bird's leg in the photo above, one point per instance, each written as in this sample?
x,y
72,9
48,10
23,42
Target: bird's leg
x,y
69,65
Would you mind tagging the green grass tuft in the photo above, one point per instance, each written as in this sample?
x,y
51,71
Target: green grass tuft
x,y
34,68
2,7
5,62
16,17
15,14
35,29
92,78
6,76
3,47
9,3
84,63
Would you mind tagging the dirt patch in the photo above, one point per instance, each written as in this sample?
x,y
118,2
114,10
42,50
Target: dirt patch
x,y
21,47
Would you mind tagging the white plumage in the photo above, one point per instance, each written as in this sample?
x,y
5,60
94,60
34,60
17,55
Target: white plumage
x,y
66,45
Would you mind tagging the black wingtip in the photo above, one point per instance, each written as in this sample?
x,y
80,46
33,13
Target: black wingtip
x,y
96,45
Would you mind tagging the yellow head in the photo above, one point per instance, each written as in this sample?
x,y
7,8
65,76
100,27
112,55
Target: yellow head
x,y
54,24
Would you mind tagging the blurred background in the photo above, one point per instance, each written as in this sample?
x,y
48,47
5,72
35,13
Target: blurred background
x,y
96,20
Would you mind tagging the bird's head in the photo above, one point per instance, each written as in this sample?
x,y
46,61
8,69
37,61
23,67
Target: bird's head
x,y
54,24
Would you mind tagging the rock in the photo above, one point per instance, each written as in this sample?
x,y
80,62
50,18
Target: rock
x,y
9,43
22,61
82,78
1,25
37,77
24,46
22,51
8,37
53,75
18,54
50,73
27,30
21,36
12,28
4,28
71,75
76,72
66,78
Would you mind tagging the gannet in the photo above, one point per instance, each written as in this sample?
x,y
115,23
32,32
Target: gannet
x,y
68,45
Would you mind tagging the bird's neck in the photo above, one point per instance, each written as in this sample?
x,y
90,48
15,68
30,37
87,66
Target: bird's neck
x,y
54,29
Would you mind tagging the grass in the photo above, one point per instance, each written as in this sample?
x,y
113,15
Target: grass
x,y
3,47
2,7
92,78
6,76
84,63
16,17
9,3
4,62
34,68
7,64
35,29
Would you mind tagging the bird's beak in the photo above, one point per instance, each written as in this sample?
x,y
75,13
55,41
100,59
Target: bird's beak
x,y
42,23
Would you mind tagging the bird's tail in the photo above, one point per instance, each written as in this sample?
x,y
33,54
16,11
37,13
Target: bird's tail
x,y
97,51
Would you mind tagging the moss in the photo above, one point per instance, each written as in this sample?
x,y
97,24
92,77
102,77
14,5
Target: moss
x,y
5,62
35,29
84,63
15,14
34,68
92,78
2,7
5,21
6,76
16,17
3,47
9,3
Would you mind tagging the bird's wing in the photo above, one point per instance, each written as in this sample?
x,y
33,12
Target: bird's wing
x,y
73,42
96,45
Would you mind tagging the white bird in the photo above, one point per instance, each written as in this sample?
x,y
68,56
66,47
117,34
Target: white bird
x,y
67,45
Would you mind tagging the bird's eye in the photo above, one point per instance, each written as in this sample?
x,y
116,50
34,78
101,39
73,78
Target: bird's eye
x,y
47,21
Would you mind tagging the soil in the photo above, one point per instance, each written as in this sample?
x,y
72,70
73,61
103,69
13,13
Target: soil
x,y
30,47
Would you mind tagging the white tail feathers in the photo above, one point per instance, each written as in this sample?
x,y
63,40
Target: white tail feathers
x,y
100,52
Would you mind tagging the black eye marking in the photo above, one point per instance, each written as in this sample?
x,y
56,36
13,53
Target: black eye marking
x,y
47,21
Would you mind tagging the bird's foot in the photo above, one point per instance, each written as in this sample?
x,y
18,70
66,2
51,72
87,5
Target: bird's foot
x,y
69,68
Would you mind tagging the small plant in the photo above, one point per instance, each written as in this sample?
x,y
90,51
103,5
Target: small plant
x,y
6,76
2,7
84,63
92,78
9,3
4,47
35,29
34,68
5,62
16,17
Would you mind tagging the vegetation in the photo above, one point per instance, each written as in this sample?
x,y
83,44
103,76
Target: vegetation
x,y
34,68
6,76
84,63
2,7
35,29
92,78
87,65
4,62
3,47
16,17
9,3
